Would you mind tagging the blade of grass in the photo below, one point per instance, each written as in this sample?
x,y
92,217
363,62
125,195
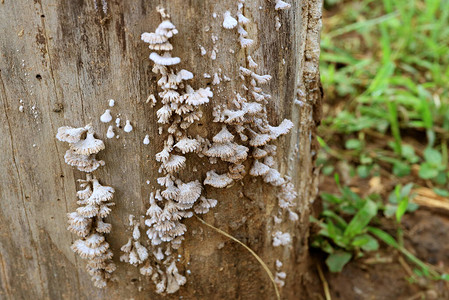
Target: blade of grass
x,y
394,124
363,24
389,240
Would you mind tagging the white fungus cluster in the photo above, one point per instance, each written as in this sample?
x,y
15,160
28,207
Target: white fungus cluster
x,y
247,135
179,109
248,119
83,147
279,276
134,252
159,265
87,221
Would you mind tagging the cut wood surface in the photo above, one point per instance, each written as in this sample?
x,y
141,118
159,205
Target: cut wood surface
x,y
63,60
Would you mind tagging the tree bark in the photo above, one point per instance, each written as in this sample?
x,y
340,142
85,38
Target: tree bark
x,y
62,61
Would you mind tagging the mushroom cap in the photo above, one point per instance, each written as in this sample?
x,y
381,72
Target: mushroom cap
x,y
70,134
216,180
259,169
187,145
165,60
153,38
189,192
224,136
174,163
90,145
229,22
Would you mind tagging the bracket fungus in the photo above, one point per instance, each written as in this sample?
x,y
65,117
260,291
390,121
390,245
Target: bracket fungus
x,y
87,222
179,109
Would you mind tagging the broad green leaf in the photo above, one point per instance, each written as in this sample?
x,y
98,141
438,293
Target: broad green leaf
x,y
433,156
371,245
353,144
361,219
427,171
441,192
363,171
405,191
366,242
337,260
327,170
390,210
401,169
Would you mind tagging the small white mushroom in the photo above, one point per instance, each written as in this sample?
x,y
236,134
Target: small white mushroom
x,y
224,136
111,102
184,75
251,63
261,79
110,133
228,21
280,5
146,140
128,127
216,180
278,23
216,79
242,32
259,169
213,54
244,42
152,100
278,264
242,19
106,116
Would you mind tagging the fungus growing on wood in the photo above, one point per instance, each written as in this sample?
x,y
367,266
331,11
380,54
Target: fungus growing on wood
x,y
106,116
169,206
71,135
87,221
229,22
216,180
110,133
128,127
87,146
134,252
280,5
281,238
204,205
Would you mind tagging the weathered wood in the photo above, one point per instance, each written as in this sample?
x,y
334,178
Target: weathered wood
x,y
63,60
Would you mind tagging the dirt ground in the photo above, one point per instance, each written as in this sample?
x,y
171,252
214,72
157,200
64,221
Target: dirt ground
x,y
386,274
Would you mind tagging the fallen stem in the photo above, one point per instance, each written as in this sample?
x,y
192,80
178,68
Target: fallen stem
x,y
327,293
264,266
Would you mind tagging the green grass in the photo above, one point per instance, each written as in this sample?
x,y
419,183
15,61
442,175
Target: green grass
x,y
385,74
349,227
385,67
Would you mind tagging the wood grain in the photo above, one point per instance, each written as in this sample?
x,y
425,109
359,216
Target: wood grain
x,y
64,60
